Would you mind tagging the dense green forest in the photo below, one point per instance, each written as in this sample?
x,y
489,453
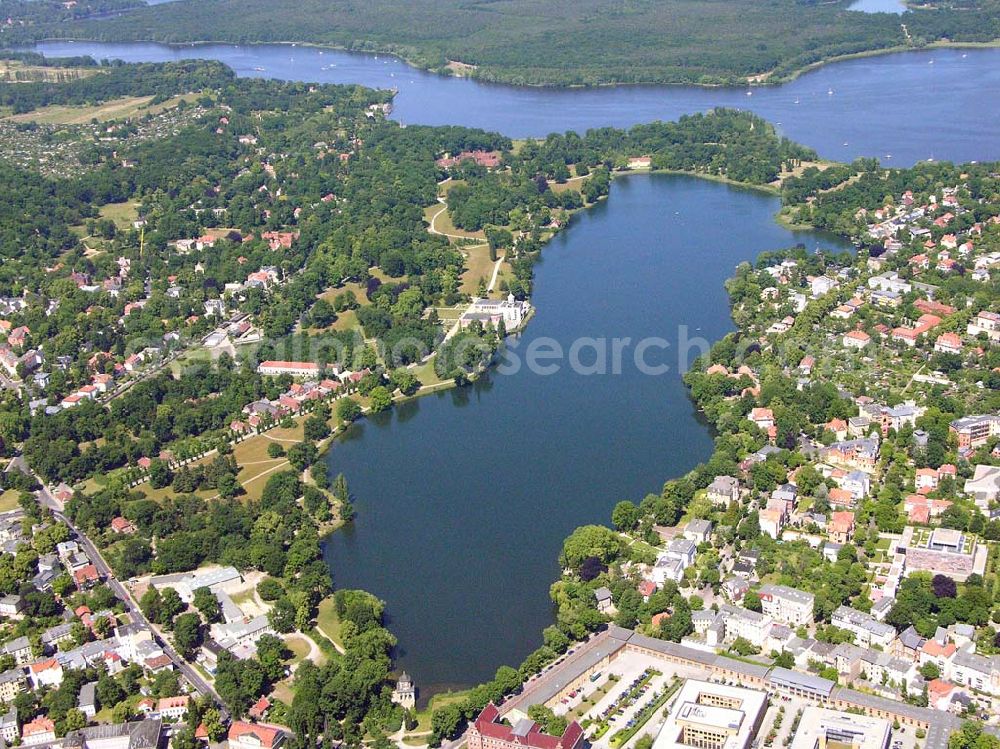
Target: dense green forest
x,y
552,42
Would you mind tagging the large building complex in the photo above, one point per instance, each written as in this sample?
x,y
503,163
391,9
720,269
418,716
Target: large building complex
x,y
820,728
712,716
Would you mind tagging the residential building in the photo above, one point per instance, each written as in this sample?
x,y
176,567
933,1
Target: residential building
x,y
987,323
41,730
841,527
856,339
12,683
254,736
86,703
974,431
605,604
867,631
174,708
47,673
9,729
724,490
787,605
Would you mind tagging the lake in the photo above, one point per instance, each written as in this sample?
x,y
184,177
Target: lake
x,y
464,498
909,107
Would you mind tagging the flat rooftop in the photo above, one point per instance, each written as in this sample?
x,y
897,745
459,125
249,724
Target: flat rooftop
x,y
857,731
733,713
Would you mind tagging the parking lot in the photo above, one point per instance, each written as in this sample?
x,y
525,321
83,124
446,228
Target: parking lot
x,y
628,669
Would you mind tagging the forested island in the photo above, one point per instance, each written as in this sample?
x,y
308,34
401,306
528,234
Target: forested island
x,y
531,43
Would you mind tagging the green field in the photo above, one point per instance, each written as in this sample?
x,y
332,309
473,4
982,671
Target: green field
x,y
116,109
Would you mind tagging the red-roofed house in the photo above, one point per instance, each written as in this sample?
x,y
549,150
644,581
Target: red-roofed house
x,y
856,339
841,527
122,526
931,307
487,732
948,343
838,427
173,707
259,709
841,497
46,673
938,654
762,417
41,730
926,479
939,694
254,736
86,576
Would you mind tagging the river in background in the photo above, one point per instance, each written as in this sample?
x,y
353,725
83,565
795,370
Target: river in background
x,y
464,497
902,108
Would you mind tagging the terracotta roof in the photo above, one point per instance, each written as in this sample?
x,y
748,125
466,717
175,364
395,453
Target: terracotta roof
x,y
265,734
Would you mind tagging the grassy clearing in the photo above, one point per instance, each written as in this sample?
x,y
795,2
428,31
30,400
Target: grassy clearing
x,y
299,647
194,355
8,500
283,691
327,621
123,214
437,216
116,109
426,374
477,266
438,700
244,596
15,71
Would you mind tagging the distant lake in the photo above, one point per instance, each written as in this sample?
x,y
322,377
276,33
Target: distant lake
x,y
901,108
865,6
464,498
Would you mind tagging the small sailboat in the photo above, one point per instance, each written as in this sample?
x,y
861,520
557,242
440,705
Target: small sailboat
x,y
964,55
829,92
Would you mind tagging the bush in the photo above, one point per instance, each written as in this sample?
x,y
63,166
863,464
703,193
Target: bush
x,y
270,589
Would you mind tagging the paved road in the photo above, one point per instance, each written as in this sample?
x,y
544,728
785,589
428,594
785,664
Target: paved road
x,y
48,500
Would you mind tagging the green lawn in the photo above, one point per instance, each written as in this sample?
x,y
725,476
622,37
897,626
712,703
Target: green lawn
x,y
8,500
328,622
438,700
244,596
299,647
